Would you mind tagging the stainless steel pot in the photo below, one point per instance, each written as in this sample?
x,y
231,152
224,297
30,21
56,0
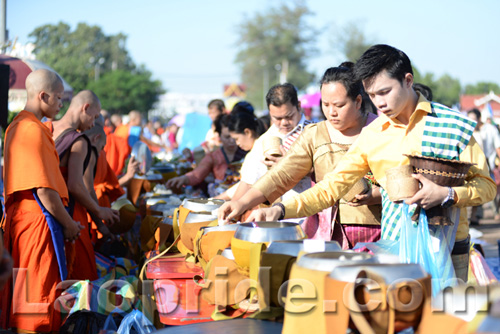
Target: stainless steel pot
x,y
269,231
294,247
327,261
142,154
390,272
202,204
228,254
230,227
199,217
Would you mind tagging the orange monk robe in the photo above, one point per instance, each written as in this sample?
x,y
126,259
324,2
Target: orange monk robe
x,y
84,267
106,186
30,161
117,151
107,130
80,256
122,131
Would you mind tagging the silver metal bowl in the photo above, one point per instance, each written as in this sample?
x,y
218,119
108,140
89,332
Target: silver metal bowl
x,y
269,231
199,217
224,228
389,271
327,261
228,254
142,154
294,247
461,303
202,204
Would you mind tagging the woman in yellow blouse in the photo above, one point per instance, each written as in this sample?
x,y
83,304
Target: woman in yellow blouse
x,y
320,147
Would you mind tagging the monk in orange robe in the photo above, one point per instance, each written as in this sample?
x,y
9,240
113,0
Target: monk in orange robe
x,y
74,151
106,184
108,125
120,143
122,131
31,174
117,152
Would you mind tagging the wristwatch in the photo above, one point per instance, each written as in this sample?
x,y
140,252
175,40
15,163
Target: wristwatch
x,y
450,199
282,207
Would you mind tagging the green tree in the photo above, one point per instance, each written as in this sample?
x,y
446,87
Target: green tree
x,y
73,54
482,88
121,91
445,90
350,40
279,36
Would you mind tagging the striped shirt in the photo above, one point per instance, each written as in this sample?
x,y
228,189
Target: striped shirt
x,y
253,168
294,134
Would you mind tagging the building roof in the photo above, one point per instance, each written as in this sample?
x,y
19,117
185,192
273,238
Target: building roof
x,y
468,102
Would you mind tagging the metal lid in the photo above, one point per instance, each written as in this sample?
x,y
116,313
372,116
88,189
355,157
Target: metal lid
x,y
269,231
223,228
327,261
199,217
293,247
389,271
202,204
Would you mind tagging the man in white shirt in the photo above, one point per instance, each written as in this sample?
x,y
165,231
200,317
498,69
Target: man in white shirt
x,y
287,121
488,137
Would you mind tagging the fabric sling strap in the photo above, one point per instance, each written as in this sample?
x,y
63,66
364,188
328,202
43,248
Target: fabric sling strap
x,y
446,134
56,231
64,142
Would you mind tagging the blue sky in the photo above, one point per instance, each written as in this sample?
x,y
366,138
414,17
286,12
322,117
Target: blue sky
x,y
191,45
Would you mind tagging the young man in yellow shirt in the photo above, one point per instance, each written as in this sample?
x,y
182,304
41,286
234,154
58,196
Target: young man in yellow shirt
x,y
403,127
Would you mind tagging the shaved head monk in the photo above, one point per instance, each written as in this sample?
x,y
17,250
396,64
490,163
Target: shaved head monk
x,y
74,151
106,184
135,133
117,148
36,223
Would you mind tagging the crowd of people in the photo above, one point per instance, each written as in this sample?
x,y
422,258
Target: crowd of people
x,y
61,176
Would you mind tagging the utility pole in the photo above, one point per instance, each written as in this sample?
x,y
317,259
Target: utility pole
x,y
3,26
284,71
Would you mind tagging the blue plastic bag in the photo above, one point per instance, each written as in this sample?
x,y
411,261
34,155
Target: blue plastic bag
x,y
109,325
429,246
138,321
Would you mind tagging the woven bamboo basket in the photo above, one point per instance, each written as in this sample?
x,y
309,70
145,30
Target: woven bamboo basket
x,y
358,188
444,172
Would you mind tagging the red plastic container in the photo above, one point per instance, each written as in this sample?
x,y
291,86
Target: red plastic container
x,y
177,296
